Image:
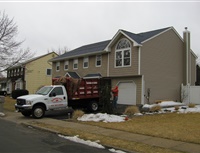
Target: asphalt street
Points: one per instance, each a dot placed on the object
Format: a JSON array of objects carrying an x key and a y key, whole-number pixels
[{"x": 16, "y": 138}]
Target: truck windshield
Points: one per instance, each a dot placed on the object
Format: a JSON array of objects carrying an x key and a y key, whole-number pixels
[{"x": 44, "y": 90}]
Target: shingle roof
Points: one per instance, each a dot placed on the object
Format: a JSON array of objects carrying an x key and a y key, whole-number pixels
[
  {"x": 140, "y": 37},
  {"x": 93, "y": 75},
  {"x": 86, "y": 49},
  {"x": 73, "y": 75},
  {"x": 100, "y": 46}
]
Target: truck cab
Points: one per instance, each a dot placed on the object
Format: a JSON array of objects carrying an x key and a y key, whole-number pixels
[{"x": 46, "y": 98}]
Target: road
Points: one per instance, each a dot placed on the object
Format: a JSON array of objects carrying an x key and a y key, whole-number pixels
[{"x": 16, "y": 138}]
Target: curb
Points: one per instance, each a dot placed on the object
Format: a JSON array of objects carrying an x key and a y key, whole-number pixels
[{"x": 57, "y": 133}]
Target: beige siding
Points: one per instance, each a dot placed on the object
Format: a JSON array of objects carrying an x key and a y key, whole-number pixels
[
  {"x": 126, "y": 71},
  {"x": 83, "y": 71},
  {"x": 162, "y": 66},
  {"x": 35, "y": 73}
]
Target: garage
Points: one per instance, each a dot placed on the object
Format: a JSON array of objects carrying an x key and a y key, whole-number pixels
[{"x": 127, "y": 93}]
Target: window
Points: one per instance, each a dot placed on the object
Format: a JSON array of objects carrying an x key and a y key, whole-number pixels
[
  {"x": 66, "y": 65},
  {"x": 123, "y": 53},
  {"x": 75, "y": 64},
  {"x": 49, "y": 72},
  {"x": 57, "y": 91},
  {"x": 85, "y": 62},
  {"x": 98, "y": 60},
  {"x": 58, "y": 66}
]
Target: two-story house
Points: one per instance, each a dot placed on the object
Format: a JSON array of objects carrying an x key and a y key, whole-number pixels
[
  {"x": 31, "y": 74},
  {"x": 146, "y": 67}
]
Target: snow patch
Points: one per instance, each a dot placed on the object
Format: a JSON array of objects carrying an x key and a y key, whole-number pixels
[
  {"x": 85, "y": 142},
  {"x": 101, "y": 117},
  {"x": 2, "y": 114},
  {"x": 116, "y": 151}
]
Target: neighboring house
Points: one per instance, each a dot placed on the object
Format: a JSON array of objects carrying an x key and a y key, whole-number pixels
[
  {"x": 147, "y": 66},
  {"x": 31, "y": 75},
  {"x": 3, "y": 84}
]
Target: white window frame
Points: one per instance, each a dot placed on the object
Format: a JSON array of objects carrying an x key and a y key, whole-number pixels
[
  {"x": 50, "y": 72},
  {"x": 75, "y": 62},
  {"x": 123, "y": 46},
  {"x": 100, "y": 57},
  {"x": 66, "y": 63},
  {"x": 85, "y": 61},
  {"x": 57, "y": 66}
]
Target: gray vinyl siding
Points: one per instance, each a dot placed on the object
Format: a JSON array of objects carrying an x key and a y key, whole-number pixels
[{"x": 162, "y": 66}]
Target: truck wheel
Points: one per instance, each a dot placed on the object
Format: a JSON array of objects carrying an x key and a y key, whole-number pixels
[
  {"x": 93, "y": 106},
  {"x": 26, "y": 113},
  {"x": 38, "y": 112}
]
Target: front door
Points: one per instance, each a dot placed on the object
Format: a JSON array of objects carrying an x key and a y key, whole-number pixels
[{"x": 57, "y": 98}]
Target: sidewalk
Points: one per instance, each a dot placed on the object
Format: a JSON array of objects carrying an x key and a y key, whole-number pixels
[{"x": 154, "y": 141}]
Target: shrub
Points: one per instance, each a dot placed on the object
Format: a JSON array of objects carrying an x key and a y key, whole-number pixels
[
  {"x": 131, "y": 110},
  {"x": 77, "y": 114},
  {"x": 17, "y": 93},
  {"x": 155, "y": 108},
  {"x": 176, "y": 108},
  {"x": 3, "y": 93},
  {"x": 191, "y": 105}
]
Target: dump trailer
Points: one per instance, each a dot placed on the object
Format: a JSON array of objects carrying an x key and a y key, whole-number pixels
[{"x": 64, "y": 92}]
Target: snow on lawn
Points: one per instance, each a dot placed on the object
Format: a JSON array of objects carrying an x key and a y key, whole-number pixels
[
  {"x": 101, "y": 117},
  {"x": 167, "y": 106}
]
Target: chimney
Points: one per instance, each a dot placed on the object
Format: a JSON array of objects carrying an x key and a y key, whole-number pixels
[{"x": 186, "y": 39}]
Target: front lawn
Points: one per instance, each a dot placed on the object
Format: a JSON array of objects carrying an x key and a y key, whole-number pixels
[
  {"x": 182, "y": 127},
  {"x": 176, "y": 126}
]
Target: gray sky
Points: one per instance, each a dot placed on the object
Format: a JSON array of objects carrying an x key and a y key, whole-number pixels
[{"x": 47, "y": 25}]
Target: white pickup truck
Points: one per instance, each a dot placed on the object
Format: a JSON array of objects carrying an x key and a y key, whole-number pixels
[
  {"x": 81, "y": 93},
  {"x": 47, "y": 98}
]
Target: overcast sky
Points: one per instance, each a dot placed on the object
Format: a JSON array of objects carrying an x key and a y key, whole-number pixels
[{"x": 47, "y": 25}]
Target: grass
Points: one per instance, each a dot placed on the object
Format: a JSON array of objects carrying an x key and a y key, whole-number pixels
[
  {"x": 9, "y": 104},
  {"x": 108, "y": 141},
  {"x": 182, "y": 127},
  {"x": 77, "y": 114}
]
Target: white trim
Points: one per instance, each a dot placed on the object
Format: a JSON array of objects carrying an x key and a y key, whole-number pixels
[
  {"x": 143, "y": 90},
  {"x": 50, "y": 71},
  {"x": 116, "y": 36},
  {"x": 122, "y": 50},
  {"x": 139, "y": 60},
  {"x": 57, "y": 65},
  {"x": 75, "y": 61},
  {"x": 85, "y": 60},
  {"x": 77, "y": 56},
  {"x": 66, "y": 63},
  {"x": 96, "y": 60},
  {"x": 108, "y": 65}
]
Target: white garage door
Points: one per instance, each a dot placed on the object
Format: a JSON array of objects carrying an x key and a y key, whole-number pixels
[{"x": 127, "y": 93}]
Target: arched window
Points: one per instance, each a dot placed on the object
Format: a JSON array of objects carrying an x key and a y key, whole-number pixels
[{"x": 123, "y": 53}]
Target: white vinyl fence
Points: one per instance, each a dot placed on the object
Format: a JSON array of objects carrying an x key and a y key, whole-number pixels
[{"x": 190, "y": 94}]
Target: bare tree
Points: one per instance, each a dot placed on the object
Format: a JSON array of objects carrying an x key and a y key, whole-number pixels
[
  {"x": 60, "y": 50},
  {"x": 10, "y": 52}
]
